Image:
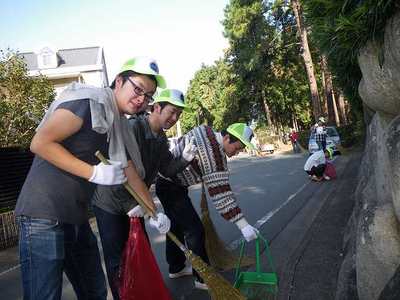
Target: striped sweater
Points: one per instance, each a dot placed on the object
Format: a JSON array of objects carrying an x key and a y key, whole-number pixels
[{"x": 210, "y": 166}]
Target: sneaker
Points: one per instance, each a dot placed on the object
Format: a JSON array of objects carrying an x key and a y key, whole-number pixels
[
  {"x": 315, "y": 178},
  {"x": 200, "y": 285},
  {"x": 327, "y": 177},
  {"x": 186, "y": 271}
]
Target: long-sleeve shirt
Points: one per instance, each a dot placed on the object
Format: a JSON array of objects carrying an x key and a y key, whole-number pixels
[
  {"x": 316, "y": 159},
  {"x": 209, "y": 166},
  {"x": 155, "y": 157}
]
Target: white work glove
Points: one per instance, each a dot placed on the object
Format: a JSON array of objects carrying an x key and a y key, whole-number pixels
[
  {"x": 108, "y": 174},
  {"x": 162, "y": 223},
  {"x": 190, "y": 149},
  {"x": 248, "y": 231},
  {"x": 137, "y": 212}
]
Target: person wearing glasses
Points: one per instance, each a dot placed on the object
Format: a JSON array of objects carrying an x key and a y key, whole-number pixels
[
  {"x": 52, "y": 208},
  {"x": 113, "y": 205}
]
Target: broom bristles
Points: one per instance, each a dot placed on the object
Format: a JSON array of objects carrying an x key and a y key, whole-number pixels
[
  {"x": 219, "y": 287},
  {"x": 220, "y": 257}
]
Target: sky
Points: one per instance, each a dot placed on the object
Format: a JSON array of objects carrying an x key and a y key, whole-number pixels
[{"x": 180, "y": 34}]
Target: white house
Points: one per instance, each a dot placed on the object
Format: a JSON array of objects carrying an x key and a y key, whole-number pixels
[{"x": 84, "y": 65}]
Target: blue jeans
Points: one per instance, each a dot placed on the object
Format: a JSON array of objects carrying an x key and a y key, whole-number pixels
[{"x": 47, "y": 248}]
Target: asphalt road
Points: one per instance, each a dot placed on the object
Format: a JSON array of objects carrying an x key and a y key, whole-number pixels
[{"x": 269, "y": 191}]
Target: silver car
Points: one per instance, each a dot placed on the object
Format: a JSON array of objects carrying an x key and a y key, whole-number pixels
[{"x": 332, "y": 140}]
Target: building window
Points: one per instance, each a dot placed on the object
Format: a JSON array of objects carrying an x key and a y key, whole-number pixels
[{"x": 47, "y": 59}]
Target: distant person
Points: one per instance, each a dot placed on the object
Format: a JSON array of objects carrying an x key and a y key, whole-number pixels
[
  {"x": 320, "y": 133},
  {"x": 316, "y": 164},
  {"x": 208, "y": 166},
  {"x": 254, "y": 141},
  {"x": 294, "y": 136}
]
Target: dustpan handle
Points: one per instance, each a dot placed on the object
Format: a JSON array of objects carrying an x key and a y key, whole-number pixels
[
  {"x": 267, "y": 252},
  {"x": 242, "y": 244},
  {"x": 258, "y": 268}
]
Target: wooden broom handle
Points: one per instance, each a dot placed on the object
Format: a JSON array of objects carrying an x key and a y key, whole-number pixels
[{"x": 143, "y": 204}]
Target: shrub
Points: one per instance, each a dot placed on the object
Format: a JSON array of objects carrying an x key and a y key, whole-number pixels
[{"x": 23, "y": 100}]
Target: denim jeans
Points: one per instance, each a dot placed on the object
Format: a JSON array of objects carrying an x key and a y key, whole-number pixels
[{"x": 47, "y": 248}]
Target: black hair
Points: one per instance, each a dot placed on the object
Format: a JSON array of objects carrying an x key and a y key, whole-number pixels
[
  {"x": 126, "y": 74},
  {"x": 232, "y": 138},
  {"x": 162, "y": 105}
]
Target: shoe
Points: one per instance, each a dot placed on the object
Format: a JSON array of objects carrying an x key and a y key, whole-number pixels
[
  {"x": 200, "y": 285},
  {"x": 315, "y": 178},
  {"x": 327, "y": 177},
  {"x": 186, "y": 271}
]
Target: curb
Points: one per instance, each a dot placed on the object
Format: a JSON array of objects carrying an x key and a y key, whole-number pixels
[{"x": 317, "y": 207}]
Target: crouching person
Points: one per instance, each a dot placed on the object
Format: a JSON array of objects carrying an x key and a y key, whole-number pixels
[{"x": 316, "y": 164}]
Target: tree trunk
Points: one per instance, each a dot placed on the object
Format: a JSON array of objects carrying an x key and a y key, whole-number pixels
[
  {"x": 328, "y": 92},
  {"x": 266, "y": 109},
  {"x": 341, "y": 107},
  {"x": 306, "y": 54},
  {"x": 324, "y": 104}
]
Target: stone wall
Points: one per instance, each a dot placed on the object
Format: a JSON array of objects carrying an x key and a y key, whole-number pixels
[{"x": 371, "y": 266}]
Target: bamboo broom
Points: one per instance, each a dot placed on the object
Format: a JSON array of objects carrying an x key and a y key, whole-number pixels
[
  {"x": 220, "y": 257},
  {"x": 219, "y": 287}
]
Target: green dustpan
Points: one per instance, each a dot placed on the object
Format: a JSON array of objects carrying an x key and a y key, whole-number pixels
[{"x": 257, "y": 285}]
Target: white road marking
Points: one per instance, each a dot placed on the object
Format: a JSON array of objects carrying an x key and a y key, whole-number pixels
[
  {"x": 234, "y": 244},
  {"x": 9, "y": 270}
]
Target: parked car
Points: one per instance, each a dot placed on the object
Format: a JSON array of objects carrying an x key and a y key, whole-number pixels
[
  {"x": 267, "y": 148},
  {"x": 332, "y": 140}
]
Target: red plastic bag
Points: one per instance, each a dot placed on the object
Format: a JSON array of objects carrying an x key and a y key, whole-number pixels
[
  {"x": 140, "y": 277},
  {"x": 330, "y": 170}
]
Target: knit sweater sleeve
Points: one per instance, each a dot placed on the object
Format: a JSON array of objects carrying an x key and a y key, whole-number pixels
[{"x": 216, "y": 176}]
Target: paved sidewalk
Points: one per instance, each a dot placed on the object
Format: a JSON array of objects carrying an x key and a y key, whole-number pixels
[{"x": 311, "y": 270}]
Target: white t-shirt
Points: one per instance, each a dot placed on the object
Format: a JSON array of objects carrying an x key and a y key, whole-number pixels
[
  {"x": 319, "y": 130},
  {"x": 318, "y": 158}
]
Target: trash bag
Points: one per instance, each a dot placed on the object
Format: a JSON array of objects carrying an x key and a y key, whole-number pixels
[
  {"x": 330, "y": 170},
  {"x": 140, "y": 277}
]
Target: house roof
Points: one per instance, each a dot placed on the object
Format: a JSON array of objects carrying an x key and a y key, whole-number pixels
[{"x": 68, "y": 57}]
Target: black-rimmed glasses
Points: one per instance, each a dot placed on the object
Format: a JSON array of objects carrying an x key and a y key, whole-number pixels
[{"x": 140, "y": 92}]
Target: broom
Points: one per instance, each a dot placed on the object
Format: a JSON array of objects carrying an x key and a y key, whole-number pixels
[
  {"x": 219, "y": 287},
  {"x": 220, "y": 257}
]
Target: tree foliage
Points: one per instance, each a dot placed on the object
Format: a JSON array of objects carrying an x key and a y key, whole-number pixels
[
  {"x": 210, "y": 98},
  {"x": 341, "y": 28},
  {"x": 23, "y": 100}
]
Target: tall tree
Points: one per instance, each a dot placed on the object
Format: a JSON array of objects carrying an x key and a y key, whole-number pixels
[
  {"x": 211, "y": 98},
  {"x": 306, "y": 54},
  {"x": 250, "y": 37},
  {"x": 333, "y": 118}
]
